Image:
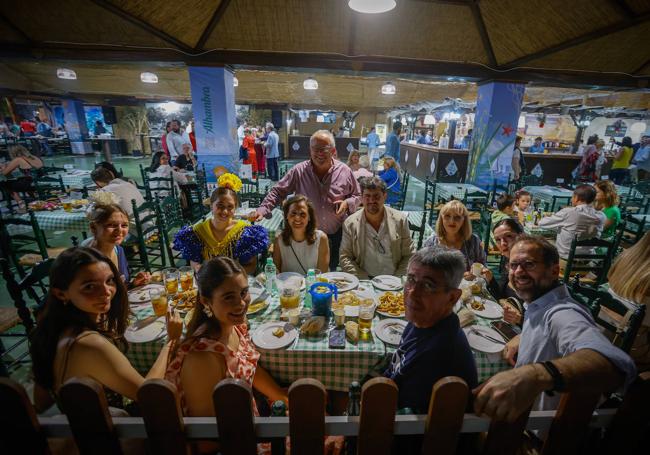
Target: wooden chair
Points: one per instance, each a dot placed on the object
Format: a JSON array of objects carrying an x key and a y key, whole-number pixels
[
  {"x": 558, "y": 202},
  {"x": 401, "y": 194},
  {"x": 171, "y": 220},
  {"x": 23, "y": 242},
  {"x": 307, "y": 399},
  {"x": 430, "y": 200},
  {"x": 163, "y": 418},
  {"x": 150, "y": 237},
  {"x": 475, "y": 201},
  {"x": 419, "y": 231},
  {"x": 445, "y": 417},
  {"x": 595, "y": 257},
  {"x": 48, "y": 187},
  {"x": 632, "y": 231},
  {"x": 530, "y": 180},
  {"x": 20, "y": 430},
  {"x": 606, "y": 309},
  {"x": 233, "y": 406},
  {"x": 160, "y": 187},
  {"x": 377, "y": 417}
]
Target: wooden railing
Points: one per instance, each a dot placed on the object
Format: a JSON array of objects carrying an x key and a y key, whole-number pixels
[{"x": 237, "y": 431}]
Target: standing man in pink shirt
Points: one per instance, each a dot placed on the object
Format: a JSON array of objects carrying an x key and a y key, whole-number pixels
[{"x": 328, "y": 183}]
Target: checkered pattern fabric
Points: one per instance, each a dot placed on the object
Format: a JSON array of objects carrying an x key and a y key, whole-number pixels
[
  {"x": 445, "y": 191},
  {"x": 546, "y": 193},
  {"x": 312, "y": 357},
  {"x": 627, "y": 191},
  {"x": 76, "y": 179},
  {"x": 56, "y": 220}
]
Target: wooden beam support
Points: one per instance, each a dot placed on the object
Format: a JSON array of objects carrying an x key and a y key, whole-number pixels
[
  {"x": 143, "y": 25},
  {"x": 620, "y": 26},
  {"x": 214, "y": 21},
  {"x": 15, "y": 28},
  {"x": 482, "y": 30}
]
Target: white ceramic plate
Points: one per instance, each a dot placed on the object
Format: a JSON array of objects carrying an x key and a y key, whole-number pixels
[
  {"x": 256, "y": 307},
  {"x": 263, "y": 336},
  {"x": 390, "y": 330},
  {"x": 386, "y": 314},
  {"x": 346, "y": 281},
  {"x": 491, "y": 310},
  {"x": 149, "y": 332},
  {"x": 387, "y": 283},
  {"x": 141, "y": 294},
  {"x": 479, "y": 343}
]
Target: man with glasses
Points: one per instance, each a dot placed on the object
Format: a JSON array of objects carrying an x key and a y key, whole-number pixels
[
  {"x": 328, "y": 183},
  {"x": 560, "y": 348},
  {"x": 376, "y": 240},
  {"x": 433, "y": 345}
]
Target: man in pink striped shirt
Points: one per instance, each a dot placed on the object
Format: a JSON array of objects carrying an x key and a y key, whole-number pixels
[{"x": 328, "y": 183}]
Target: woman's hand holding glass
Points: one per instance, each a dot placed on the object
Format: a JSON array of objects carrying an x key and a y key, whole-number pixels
[{"x": 174, "y": 325}]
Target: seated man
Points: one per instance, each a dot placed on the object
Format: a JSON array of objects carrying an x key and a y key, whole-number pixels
[
  {"x": 433, "y": 345},
  {"x": 560, "y": 348},
  {"x": 376, "y": 240},
  {"x": 582, "y": 219},
  {"x": 124, "y": 191}
]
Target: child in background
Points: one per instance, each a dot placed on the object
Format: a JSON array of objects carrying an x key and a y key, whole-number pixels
[
  {"x": 523, "y": 205},
  {"x": 505, "y": 209}
]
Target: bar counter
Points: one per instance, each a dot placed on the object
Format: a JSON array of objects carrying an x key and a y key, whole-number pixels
[
  {"x": 299, "y": 146},
  {"x": 417, "y": 160}
]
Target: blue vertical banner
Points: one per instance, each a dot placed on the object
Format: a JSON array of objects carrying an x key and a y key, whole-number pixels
[
  {"x": 75, "y": 125},
  {"x": 498, "y": 106},
  {"x": 213, "y": 106}
]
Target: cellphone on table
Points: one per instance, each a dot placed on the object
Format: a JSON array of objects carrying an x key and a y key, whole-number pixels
[
  {"x": 505, "y": 330},
  {"x": 337, "y": 339}
]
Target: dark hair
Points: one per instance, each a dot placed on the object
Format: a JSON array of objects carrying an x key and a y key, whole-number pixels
[
  {"x": 504, "y": 201},
  {"x": 609, "y": 190},
  {"x": 175, "y": 120},
  {"x": 550, "y": 255},
  {"x": 101, "y": 175},
  {"x": 168, "y": 124},
  {"x": 520, "y": 193},
  {"x": 585, "y": 193},
  {"x": 58, "y": 316},
  {"x": 155, "y": 161},
  {"x": 397, "y": 126},
  {"x": 210, "y": 276},
  {"x": 627, "y": 141},
  {"x": 518, "y": 139},
  {"x": 222, "y": 191},
  {"x": 98, "y": 122},
  {"x": 109, "y": 167},
  {"x": 372, "y": 183},
  {"x": 449, "y": 261},
  {"x": 101, "y": 213},
  {"x": 310, "y": 230},
  {"x": 538, "y": 138},
  {"x": 592, "y": 139},
  {"x": 470, "y": 131},
  {"x": 512, "y": 224}
]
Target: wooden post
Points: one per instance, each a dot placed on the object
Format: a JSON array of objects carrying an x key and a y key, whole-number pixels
[
  {"x": 445, "y": 417},
  {"x": 505, "y": 438},
  {"x": 307, "y": 417},
  {"x": 377, "y": 418},
  {"x": 233, "y": 407},
  {"x": 20, "y": 431}
]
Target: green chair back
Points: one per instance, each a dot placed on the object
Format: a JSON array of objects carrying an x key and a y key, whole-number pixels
[
  {"x": 22, "y": 235},
  {"x": 151, "y": 250},
  {"x": 171, "y": 220},
  {"x": 632, "y": 231},
  {"x": 559, "y": 202},
  {"x": 418, "y": 232},
  {"x": 48, "y": 186},
  {"x": 430, "y": 200},
  {"x": 595, "y": 256}
]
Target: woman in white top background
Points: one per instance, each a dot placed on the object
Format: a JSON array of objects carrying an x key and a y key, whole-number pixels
[
  {"x": 301, "y": 246},
  {"x": 160, "y": 168}
]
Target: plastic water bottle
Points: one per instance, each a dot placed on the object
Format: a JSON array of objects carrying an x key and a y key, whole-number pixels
[
  {"x": 270, "y": 271},
  {"x": 311, "y": 279}
]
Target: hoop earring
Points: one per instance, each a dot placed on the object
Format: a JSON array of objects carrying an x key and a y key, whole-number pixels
[{"x": 208, "y": 312}]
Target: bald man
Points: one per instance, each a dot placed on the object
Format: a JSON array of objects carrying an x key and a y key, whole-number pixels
[{"x": 328, "y": 183}]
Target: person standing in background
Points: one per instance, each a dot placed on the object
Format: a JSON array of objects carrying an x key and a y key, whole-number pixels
[
  {"x": 642, "y": 157},
  {"x": 272, "y": 152},
  {"x": 27, "y": 128},
  {"x": 45, "y": 130},
  {"x": 192, "y": 136},
  {"x": 537, "y": 147},
  {"x": 163, "y": 139},
  {"x": 373, "y": 146},
  {"x": 518, "y": 161},
  {"x": 467, "y": 140},
  {"x": 249, "y": 144},
  {"x": 621, "y": 162},
  {"x": 175, "y": 140},
  {"x": 392, "y": 142}
]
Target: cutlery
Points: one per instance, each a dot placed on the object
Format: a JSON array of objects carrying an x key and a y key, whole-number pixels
[
  {"x": 487, "y": 337},
  {"x": 142, "y": 323}
]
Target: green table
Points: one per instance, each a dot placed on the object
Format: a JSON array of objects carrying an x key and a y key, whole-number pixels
[
  {"x": 55, "y": 220},
  {"x": 312, "y": 358}
]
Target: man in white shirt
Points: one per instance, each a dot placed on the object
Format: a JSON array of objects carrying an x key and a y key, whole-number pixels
[
  {"x": 124, "y": 191},
  {"x": 175, "y": 141},
  {"x": 582, "y": 219},
  {"x": 376, "y": 240}
]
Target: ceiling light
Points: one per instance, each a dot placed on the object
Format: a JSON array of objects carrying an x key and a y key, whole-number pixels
[
  {"x": 388, "y": 89},
  {"x": 235, "y": 81},
  {"x": 371, "y": 6},
  {"x": 310, "y": 84},
  {"x": 65, "y": 73},
  {"x": 149, "y": 78},
  {"x": 429, "y": 119}
]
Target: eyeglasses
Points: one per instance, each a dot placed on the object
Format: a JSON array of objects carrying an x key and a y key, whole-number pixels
[
  {"x": 429, "y": 287},
  {"x": 382, "y": 250},
  {"x": 526, "y": 265},
  {"x": 324, "y": 149}
]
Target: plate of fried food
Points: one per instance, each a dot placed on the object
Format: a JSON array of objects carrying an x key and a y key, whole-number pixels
[
  {"x": 391, "y": 305},
  {"x": 352, "y": 299},
  {"x": 184, "y": 300},
  {"x": 274, "y": 335},
  {"x": 485, "y": 308}
]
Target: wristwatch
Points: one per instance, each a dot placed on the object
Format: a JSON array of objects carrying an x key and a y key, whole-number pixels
[{"x": 559, "y": 384}]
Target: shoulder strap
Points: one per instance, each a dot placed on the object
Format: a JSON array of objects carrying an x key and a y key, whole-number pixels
[
  {"x": 69, "y": 343},
  {"x": 296, "y": 256}
]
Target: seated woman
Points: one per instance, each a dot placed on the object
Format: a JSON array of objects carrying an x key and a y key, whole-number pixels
[
  {"x": 607, "y": 202},
  {"x": 454, "y": 230},
  {"x": 217, "y": 344},
  {"x": 186, "y": 161},
  {"x": 391, "y": 176},
  {"x": 505, "y": 233},
  {"x": 301, "y": 246},
  {"x": 505, "y": 209},
  {"x": 20, "y": 168},
  {"x": 221, "y": 234},
  {"x": 80, "y": 332},
  {"x": 364, "y": 164},
  {"x": 109, "y": 225},
  {"x": 353, "y": 160},
  {"x": 160, "y": 168}
]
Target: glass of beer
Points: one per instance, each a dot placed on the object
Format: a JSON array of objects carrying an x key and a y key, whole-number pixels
[
  {"x": 171, "y": 280},
  {"x": 366, "y": 313},
  {"x": 158, "y": 301},
  {"x": 187, "y": 278},
  {"x": 67, "y": 205}
]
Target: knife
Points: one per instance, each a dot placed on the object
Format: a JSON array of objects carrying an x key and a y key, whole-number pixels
[{"x": 487, "y": 337}]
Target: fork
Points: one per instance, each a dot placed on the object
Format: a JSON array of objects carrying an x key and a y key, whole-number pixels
[{"x": 487, "y": 337}]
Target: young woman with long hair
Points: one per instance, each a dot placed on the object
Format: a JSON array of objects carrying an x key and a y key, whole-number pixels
[{"x": 607, "y": 202}]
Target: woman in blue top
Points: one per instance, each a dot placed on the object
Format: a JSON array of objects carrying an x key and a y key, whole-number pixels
[
  {"x": 391, "y": 176},
  {"x": 110, "y": 226}
]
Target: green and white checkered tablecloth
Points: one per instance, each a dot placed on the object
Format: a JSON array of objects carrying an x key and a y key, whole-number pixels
[
  {"x": 445, "y": 191},
  {"x": 546, "y": 193},
  {"x": 76, "y": 179},
  {"x": 531, "y": 229},
  {"x": 56, "y": 220},
  {"x": 312, "y": 357}
]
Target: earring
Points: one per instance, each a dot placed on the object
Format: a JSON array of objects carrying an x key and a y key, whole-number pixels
[{"x": 208, "y": 312}]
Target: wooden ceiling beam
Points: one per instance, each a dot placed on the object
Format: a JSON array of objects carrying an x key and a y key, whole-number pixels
[
  {"x": 595, "y": 34},
  {"x": 482, "y": 30},
  {"x": 314, "y": 63},
  {"x": 214, "y": 21},
  {"x": 15, "y": 28},
  {"x": 143, "y": 25}
]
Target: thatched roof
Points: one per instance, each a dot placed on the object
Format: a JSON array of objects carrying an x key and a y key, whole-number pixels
[{"x": 579, "y": 43}]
